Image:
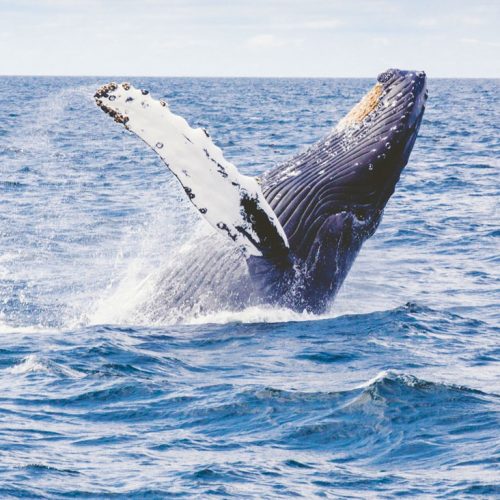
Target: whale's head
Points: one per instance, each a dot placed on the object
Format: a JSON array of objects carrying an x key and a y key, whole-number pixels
[
  {"x": 355, "y": 168},
  {"x": 379, "y": 134},
  {"x": 330, "y": 198},
  {"x": 398, "y": 113},
  {"x": 397, "y": 94}
]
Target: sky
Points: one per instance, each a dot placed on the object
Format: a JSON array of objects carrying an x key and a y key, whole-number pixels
[{"x": 287, "y": 38}]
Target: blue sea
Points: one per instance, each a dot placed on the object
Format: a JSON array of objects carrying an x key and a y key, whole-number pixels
[{"x": 395, "y": 392}]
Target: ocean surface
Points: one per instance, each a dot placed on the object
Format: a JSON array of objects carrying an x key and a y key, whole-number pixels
[{"x": 395, "y": 392}]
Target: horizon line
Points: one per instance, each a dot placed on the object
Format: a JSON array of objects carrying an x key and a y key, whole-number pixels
[{"x": 19, "y": 75}]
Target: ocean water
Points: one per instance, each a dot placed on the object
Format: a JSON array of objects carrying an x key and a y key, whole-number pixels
[{"x": 394, "y": 392}]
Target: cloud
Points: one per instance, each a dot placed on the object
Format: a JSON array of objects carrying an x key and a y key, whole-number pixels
[
  {"x": 473, "y": 20},
  {"x": 381, "y": 40},
  {"x": 265, "y": 41},
  {"x": 323, "y": 24},
  {"x": 427, "y": 22},
  {"x": 475, "y": 41}
]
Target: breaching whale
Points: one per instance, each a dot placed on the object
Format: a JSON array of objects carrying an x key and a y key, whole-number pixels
[{"x": 291, "y": 235}]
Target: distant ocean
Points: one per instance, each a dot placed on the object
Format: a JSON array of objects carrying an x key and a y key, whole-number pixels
[{"x": 395, "y": 392}]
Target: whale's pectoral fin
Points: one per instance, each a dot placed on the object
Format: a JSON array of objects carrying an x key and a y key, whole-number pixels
[{"x": 231, "y": 202}]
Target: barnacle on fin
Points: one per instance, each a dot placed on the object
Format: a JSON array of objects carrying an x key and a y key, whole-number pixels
[
  {"x": 104, "y": 93},
  {"x": 105, "y": 89}
]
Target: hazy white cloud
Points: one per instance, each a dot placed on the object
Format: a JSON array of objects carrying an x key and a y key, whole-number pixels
[
  {"x": 265, "y": 41},
  {"x": 323, "y": 24},
  {"x": 474, "y": 20},
  {"x": 381, "y": 40},
  {"x": 427, "y": 22},
  {"x": 470, "y": 41},
  {"x": 475, "y": 41}
]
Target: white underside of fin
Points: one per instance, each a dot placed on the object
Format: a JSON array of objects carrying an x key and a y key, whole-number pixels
[{"x": 213, "y": 184}]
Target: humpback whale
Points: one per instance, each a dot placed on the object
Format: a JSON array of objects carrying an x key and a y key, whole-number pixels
[{"x": 289, "y": 237}]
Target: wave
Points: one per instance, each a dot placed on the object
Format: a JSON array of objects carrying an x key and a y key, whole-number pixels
[
  {"x": 270, "y": 314},
  {"x": 29, "y": 364},
  {"x": 255, "y": 314},
  {"x": 35, "y": 364},
  {"x": 392, "y": 418}
]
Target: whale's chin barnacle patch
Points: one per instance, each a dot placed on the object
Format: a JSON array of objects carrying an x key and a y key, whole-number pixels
[{"x": 367, "y": 105}]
